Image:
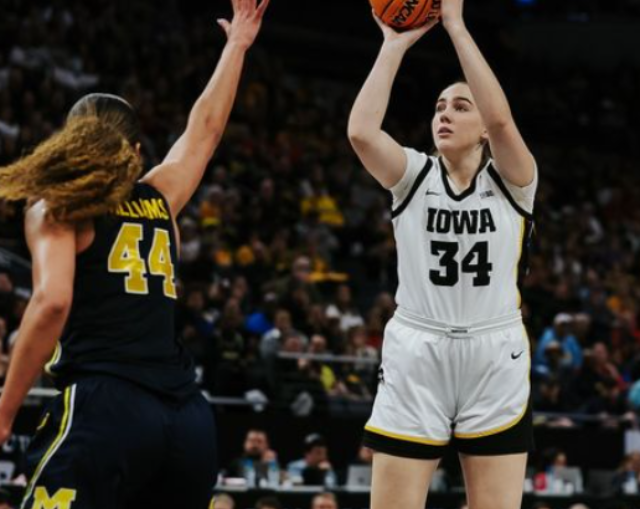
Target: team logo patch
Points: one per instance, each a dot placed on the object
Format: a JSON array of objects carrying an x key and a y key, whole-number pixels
[
  {"x": 62, "y": 499},
  {"x": 487, "y": 194}
]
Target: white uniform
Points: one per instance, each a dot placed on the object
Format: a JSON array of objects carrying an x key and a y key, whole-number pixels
[{"x": 456, "y": 356}]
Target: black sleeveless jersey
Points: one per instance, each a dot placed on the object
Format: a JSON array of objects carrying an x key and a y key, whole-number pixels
[{"x": 122, "y": 317}]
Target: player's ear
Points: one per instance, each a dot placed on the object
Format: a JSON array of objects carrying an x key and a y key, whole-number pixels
[
  {"x": 484, "y": 137},
  {"x": 138, "y": 147}
]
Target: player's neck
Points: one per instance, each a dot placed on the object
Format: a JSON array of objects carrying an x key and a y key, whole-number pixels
[{"x": 462, "y": 168}]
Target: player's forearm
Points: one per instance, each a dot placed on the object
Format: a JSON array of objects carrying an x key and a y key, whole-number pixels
[
  {"x": 371, "y": 104},
  {"x": 41, "y": 326},
  {"x": 485, "y": 87},
  {"x": 211, "y": 111}
]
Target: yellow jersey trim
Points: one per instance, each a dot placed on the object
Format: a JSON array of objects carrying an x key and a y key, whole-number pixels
[
  {"x": 55, "y": 358},
  {"x": 520, "y": 251}
]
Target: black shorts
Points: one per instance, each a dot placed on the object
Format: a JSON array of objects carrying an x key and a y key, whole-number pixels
[
  {"x": 514, "y": 440},
  {"x": 106, "y": 443}
]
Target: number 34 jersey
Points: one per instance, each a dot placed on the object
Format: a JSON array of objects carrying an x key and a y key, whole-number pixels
[
  {"x": 122, "y": 316},
  {"x": 461, "y": 256}
]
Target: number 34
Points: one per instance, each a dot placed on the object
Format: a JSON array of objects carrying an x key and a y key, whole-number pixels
[
  {"x": 447, "y": 252},
  {"x": 125, "y": 258}
]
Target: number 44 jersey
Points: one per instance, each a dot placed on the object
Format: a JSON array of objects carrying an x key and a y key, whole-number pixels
[
  {"x": 122, "y": 317},
  {"x": 461, "y": 255}
]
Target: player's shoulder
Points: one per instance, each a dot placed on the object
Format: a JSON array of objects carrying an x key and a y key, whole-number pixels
[
  {"x": 38, "y": 219},
  {"x": 521, "y": 199}
]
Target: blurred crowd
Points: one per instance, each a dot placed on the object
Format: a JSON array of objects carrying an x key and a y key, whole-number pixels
[{"x": 288, "y": 256}]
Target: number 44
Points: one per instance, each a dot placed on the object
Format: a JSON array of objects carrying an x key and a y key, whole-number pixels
[{"x": 125, "y": 258}]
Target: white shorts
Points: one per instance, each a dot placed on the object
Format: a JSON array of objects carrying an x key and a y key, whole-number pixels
[{"x": 438, "y": 386}]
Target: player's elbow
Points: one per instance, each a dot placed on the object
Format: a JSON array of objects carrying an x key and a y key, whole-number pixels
[
  {"x": 52, "y": 305},
  {"x": 359, "y": 135},
  {"x": 205, "y": 126},
  {"x": 499, "y": 124}
]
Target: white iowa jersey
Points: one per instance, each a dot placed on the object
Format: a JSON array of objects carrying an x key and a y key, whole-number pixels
[{"x": 461, "y": 256}]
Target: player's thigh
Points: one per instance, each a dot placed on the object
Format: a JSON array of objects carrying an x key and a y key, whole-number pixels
[
  {"x": 400, "y": 482},
  {"x": 97, "y": 433},
  {"x": 191, "y": 466},
  {"x": 494, "y": 482}
]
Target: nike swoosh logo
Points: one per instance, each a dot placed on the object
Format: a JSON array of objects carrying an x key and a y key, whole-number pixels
[
  {"x": 432, "y": 193},
  {"x": 516, "y": 356}
]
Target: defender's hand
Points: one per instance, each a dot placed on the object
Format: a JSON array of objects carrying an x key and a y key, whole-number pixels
[{"x": 246, "y": 22}]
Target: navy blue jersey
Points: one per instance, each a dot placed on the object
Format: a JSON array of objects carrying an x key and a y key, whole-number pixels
[{"x": 122, "y": 317}]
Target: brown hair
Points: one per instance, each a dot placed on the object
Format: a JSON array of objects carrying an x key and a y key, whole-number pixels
[{"x": 86, "y": 169}]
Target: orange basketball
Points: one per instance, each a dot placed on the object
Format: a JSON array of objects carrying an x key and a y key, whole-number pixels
[{"x": 406, "y": 14}]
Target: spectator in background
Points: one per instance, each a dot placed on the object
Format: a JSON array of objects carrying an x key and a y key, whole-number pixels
[
  {"x": 230, "y": 346},
  {"x": 300, "y": 277},
  {"x": 271, "y": 341},
  {"x": 627, "y": 476},
  {"x": 365, "y": 456},
  {"x": 222, "y": 501},
  {"x": 300, "y": 379},
  {"x": 314, "y": 469},
  {"x": 324, "y": 501},
  {"x": 357, "y": 347},
  {"x": 344, "y": 310},
  {"x": 318, "y": 346},
  {"x": 261, "y": 321},
  {"x": 582, "y": 329},
  {"x": 598, "y": 385},
  {"x": 268, "y": 503},
  {"x": 560, "y": 332},
  {"x": 256, "y": 460}
]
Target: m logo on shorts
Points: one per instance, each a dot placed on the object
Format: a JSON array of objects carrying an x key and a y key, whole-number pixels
[{"x": 61, "y": 500}]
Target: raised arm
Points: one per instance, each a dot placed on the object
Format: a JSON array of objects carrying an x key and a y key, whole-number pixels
[
  {"x": 380, "y": 154},
  {"x": 510, "y": 153},
  {"x": 179, "y": 175},
  {"x": 53, "y": 251}
]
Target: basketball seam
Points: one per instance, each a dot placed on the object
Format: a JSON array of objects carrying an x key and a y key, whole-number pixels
[
  {"x": 384, "y": 11},
  {"x": 424, "y": 8}
]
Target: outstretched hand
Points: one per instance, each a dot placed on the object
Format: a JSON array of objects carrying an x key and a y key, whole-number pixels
[
  {"x": 406, "y": 39},
  {"x": 246, "y": 22}
]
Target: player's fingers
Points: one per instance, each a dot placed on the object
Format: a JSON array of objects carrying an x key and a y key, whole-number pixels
[
  {"x": 378, "y": 21},
  {"x": 226, "y": 26},
  {"x": 427, "y": 26},
  {"x": 262, "y": 8}
]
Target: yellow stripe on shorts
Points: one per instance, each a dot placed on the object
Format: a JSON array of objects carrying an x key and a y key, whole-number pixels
[
  {"x": 405, "y": 438},
  {"x": 65, "y": 426},
  {"x": 494, "y": 431}
]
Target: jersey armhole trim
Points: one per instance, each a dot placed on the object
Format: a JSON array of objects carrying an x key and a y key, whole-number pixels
[
  {"x": 414, "y": 189},
  {"x": 498, "y": 180},
  {"x": 172, "y": 220}
]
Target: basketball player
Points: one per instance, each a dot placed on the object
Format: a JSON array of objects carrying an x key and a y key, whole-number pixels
[
  {"x": 130, "y": 429},
  {"x": 455, "y": 363}
]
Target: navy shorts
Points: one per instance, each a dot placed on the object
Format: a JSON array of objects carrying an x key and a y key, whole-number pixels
[{"x": 106, "y": 443}]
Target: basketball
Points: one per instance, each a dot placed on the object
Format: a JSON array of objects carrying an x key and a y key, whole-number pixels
[{"x": 406, "y": 14}]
